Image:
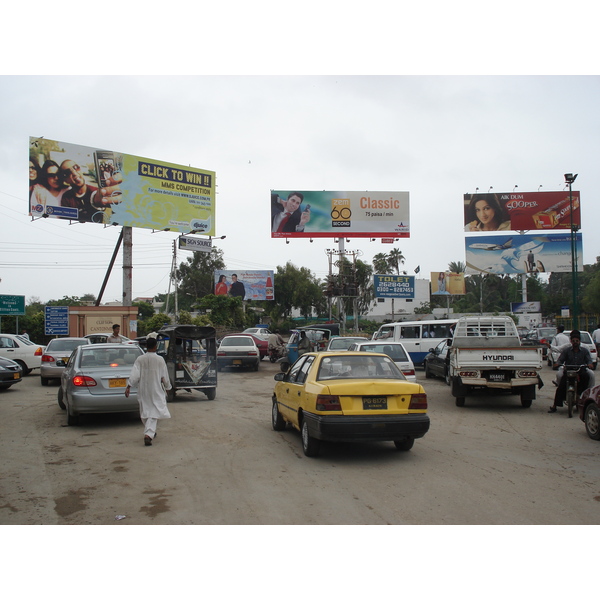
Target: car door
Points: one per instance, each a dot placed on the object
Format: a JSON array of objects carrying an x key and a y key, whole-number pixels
[
  {"x": 9, "y": 348},
  {"x": 293, "y": 388},
  {"x": 438, "y": 363}
]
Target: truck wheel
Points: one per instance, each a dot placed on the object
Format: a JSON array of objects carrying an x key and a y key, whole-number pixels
[
  {"x": 460, "y": 401},
  {"x": 211, "y": 393},
  {"x": 527, "y": 396}
]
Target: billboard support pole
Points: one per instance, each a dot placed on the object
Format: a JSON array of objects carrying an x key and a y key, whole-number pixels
[
  {"x": 110, "y": 266},
  {"x": 127, "y": 265},
  {"x": 570, "y": 178}
]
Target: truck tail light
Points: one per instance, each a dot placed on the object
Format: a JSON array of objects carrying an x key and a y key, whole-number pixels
[
  {"x": 418, "y": 402},
  {"x": 527, "y": 374},
  {"x": 84, "y": 381},
  {"x": 47, "y": 358},
  {"x": 468, "y": 374},
  {"x": 325, "y": 402}
]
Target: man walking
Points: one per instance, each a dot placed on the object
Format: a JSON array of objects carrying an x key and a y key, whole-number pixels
[{"x": 149, "y": 374}]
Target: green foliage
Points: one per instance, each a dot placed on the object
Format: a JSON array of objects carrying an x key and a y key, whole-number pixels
[
  {"x": 185, "y": 318},
  {"x": 225, "y": 311},
  {"x": 155, "y": 322},
  {"x": 145, "y": 309},
  {"x": 195, "y": 277}
]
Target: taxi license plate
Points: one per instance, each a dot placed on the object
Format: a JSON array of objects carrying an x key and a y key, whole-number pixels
[
  {"x": 374, "y": 402},
  {"x": 237, "y": 362},
  {"x": 117, "y": 383}
]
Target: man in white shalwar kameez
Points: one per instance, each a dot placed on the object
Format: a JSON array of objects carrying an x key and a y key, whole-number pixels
[{"x": 149, "y": 374}]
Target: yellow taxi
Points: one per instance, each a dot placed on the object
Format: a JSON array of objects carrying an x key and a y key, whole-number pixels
[{"x": 349, "y": 396}]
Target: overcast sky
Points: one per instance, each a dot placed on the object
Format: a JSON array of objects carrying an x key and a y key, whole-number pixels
[{"x": 436, "y": 137}]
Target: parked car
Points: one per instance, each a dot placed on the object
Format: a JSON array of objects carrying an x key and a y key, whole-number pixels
[
  {"x": 337, "y": 344},
  {"x": 100, "y": 338},
  {"x": 238, "y": 351},
  {"x": 10, "y": 373},
  {"x": 261, "y": 344},
  {"x": 349, "y": 396},
  {"x": 395, "y": 350},
  {"x": 586, "y": 340},
  {"x": 261, "y": 332},
  {"x": 436, "y": 362},
  {"x": 55, "y": 357},
  {"x": 589, "y": 411},
  {"x": 540, "y": 336},
  {"x": 22, "y": 351},
  {"x": 95, "y": 378}
]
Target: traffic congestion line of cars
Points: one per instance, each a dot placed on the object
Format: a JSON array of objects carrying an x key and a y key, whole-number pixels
[{"x": 23, "y": 351}]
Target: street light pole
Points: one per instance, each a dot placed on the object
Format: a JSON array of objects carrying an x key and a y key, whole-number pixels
[{"x": 570, "y": 178}]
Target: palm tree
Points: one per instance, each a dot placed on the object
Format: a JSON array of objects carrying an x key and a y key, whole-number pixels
[
  {"x": 395, "y": 259},
  {"x": 381, "y": 263},
  {"x": 456, "y": 267}
]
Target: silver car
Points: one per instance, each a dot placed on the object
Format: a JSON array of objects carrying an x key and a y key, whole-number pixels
[
  {"x": 56, "y": 355},
  {"x": 395, "y": 350},
  {"x": 95, "y": 379}
]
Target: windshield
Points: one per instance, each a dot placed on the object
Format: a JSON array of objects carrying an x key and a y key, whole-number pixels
[
  {"x": 358, "y": 367},
  {"x": 65, "y": 345},
  {"x": 109, "y": 357},
  {"x": 237, "y": 341}
]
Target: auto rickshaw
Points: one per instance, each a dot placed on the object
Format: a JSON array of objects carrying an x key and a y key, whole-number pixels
[
  {"x": 318, "y": 336},
  {"x": 191, "y": 356}
]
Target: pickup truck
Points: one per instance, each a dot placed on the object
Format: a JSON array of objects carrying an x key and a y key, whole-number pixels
[{"x": 486, "y": 356}]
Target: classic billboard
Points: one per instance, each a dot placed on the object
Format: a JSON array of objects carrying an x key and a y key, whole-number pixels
[
  {"x": 533, "y": 253},
  {"x": 521, "y": 211},
  {"x": 315, "y": 214},
  {"x": 247, "y": 285},
  {"x": 68, "y": 181},
  {"x": 394, "y": 286},
  {"x": 444, "y": 283}
]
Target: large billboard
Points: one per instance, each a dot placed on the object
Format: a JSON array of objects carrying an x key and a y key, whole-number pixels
[
  {"x": 528, "y": 253},
  {"x": 394, "y": 286},
  {"x": 68, "y": 181},
  {"x": 521, "y": 211},
  {"x": 247, "y": 285},
  {"x": 329, "y": 214},
  {"x": 444, "y": 283}
]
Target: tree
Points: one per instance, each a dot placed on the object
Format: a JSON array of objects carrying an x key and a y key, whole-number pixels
[
  {"x": 225, "y": 311},
  {"x": 395, "y": 259},
  {"x": 295, "y": 288},
  {"x": 457, "y": 267}
]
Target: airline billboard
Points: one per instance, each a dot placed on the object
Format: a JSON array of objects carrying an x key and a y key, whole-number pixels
[
  {"x": 528, "y": 253},
  {"x": 313, "y": 214},
  {"x": 86, "y": 184}
]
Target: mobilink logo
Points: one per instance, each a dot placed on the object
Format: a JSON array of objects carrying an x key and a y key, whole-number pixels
[{"x": 498, "y": 357}]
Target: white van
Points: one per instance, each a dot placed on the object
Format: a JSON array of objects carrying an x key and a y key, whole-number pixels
[{"x": 418, "y": 337}]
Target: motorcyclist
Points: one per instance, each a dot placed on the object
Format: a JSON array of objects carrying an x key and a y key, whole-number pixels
[
  {"x": 574, "y": 354},
  {"x": 276, "y": 343}
]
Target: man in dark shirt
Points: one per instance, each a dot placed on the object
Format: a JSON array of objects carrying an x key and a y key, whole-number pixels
[
  {"x": 575, "y": 354},
  {"x": 237, "y": 288}
]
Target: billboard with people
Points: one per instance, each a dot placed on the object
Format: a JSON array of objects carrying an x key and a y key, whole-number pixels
[
  {"x": 313, "y": 214},
  {"x": 86, "y": 184},
  {"x": 521, "y": 211},
  {"x": 247, "y": 285},
  {"x": 527, "y": 253},
  {"x": 445, "y": 283}
]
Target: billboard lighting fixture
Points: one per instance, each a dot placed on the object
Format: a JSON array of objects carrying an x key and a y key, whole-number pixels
[
  {"x": 311, "y": 240},
  {"x": 476, "y": 190},
  {"x": 287, "y": 241},
  {"x": 491, "y": 188},
  {"x": 516, "y": 186},
  {"x": 539, "y": 188},
  {"x": 570, "y": 178}
]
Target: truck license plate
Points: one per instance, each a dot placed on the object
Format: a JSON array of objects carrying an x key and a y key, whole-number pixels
[
  {"x": 501, "y": 376},
  {"x": 374, "y": 402}
]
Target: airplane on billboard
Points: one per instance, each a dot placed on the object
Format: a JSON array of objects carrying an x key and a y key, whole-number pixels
[{"x": 507, "y": 244}]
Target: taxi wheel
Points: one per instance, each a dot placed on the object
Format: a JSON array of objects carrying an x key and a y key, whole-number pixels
[
  {"x": 404, "y": 445},
  {"x": 310, "y": 445},
  {"x": 276, "y": 419}
]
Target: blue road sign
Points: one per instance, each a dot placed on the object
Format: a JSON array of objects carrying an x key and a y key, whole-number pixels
[{"x": 56, "y": 320}]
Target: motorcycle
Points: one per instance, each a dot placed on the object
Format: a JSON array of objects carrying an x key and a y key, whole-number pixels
[
  {"x": 572, "y": 375},
  {"x": 276, "y": 354}
]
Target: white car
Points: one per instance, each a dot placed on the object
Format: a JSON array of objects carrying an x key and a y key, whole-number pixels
[
  {"x": 261, "y": 332},
  {"x": 100, "y": 338},
  {"x": 586, "y": 341},
  {"x": 238, "y": 351},
  {"x": 341, "y": 343},
  {"x": 22, "y": 351},
  {"x": 395, "y": 350}
]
